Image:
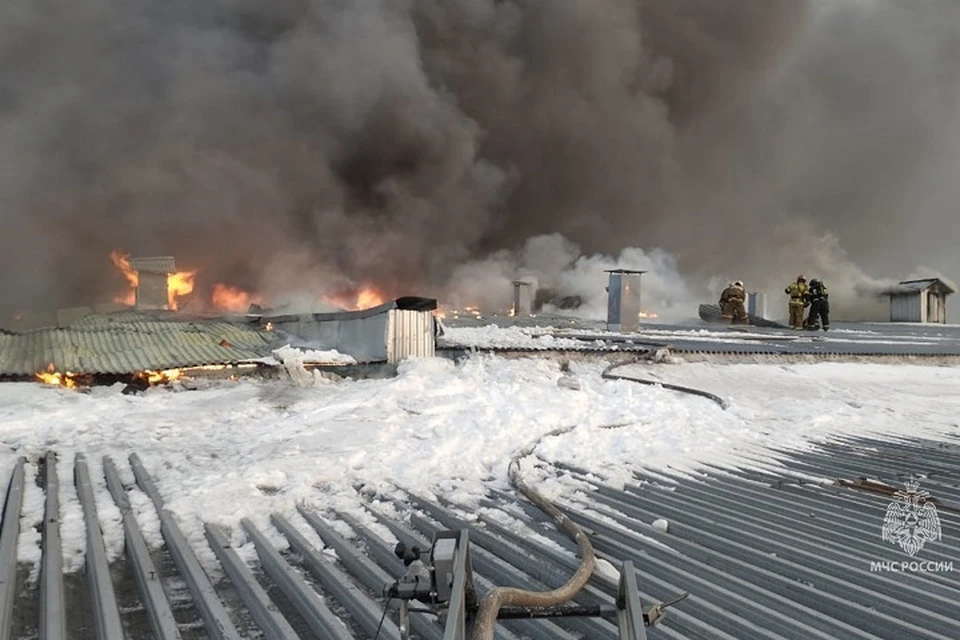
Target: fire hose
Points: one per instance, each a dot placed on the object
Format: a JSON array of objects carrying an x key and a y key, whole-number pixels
[
  {"x": 607, "y": 375},
  {"x": 499, "y": 597}
]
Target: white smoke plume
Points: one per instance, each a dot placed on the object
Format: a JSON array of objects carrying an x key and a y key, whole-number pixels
[{"x": 554, "y": 265}]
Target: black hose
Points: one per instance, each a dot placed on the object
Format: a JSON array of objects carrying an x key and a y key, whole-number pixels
[{"x": 606, "y": 375}]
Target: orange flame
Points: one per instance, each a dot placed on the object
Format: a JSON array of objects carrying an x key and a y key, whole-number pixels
[
  {"x": 122, "y": 262},
  {"x": 230, "y": 298},
  {"x": 179, "y": 284},
  {"x": 644, "y": 314},
  {"x": 53, "y": 377},
  {"x": 367, "y": 297},
  {"x": 363, "y": 298},
  {"x": 162, "y": 377}
]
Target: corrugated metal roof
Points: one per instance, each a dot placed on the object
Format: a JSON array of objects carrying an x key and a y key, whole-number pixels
[
  {"x": 844, "y": 339},
  {"x": 791, "y": 554},
  {"x": 129, "y": 342},
  {"x": 784, "y": 553}
]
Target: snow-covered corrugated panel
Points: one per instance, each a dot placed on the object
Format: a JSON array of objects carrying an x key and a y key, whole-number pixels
[
  {"x": 130, "y": 343},
  {"x": 410, "y": 334},
  {"x": 906, "y": 308}
]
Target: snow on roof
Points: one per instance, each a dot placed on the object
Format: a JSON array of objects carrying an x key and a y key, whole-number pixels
[{"x": 249, "y": 449}]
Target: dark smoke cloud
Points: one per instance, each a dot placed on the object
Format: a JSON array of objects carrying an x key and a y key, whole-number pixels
[{"x": 305, "y": 143}]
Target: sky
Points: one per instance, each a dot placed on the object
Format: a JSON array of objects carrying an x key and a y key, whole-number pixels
[{"x": 317, "y": 145}]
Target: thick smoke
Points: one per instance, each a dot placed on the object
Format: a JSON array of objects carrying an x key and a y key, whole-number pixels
[
  {"x": 553, "y": 266},
  {"x": 320, "y": 144}
]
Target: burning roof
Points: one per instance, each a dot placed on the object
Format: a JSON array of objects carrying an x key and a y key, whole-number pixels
[
  {"x": 155, "y": 283},
  {"x": 138, "y": 342}
]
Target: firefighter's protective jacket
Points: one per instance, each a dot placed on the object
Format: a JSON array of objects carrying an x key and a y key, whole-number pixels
[
  {"x": 817, "y": 293},
  {"x": 797, "y": 291},
  {"x": 732, "y": 294}
]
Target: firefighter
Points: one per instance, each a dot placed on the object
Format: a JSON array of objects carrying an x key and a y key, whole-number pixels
[
  {"x": 725, "y": 312},
  {"x": 796, "y": 291},
  {"x": 731, "y": 304},
  {"x": 819, "y": 300}
]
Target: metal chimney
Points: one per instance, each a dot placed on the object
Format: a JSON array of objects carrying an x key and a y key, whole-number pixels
[
  {"x": 152, "y": 281},
  {"x": 520, "y": 306},
  {"x": 757, "y": 304},
  {"x": 623, "y": 300}
]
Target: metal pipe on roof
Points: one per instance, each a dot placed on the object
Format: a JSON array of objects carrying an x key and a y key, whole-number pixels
[
  {"x": 9, "y": 536},
  {"x": 106, "y": 611},
  {"x": 155, "y": 601},
  {"x": 53, "y": 615}
]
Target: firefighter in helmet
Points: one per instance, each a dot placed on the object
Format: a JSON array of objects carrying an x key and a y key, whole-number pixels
[
  {"x": 731, "y": 304},
  {"x": 819, "y": 301},
  {"x": 796, "y": 290}
]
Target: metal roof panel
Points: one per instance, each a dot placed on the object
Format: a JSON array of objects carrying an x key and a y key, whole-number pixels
[
  {"x": 786, "y": 549},
  {"x": 129, "y": 342}
]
